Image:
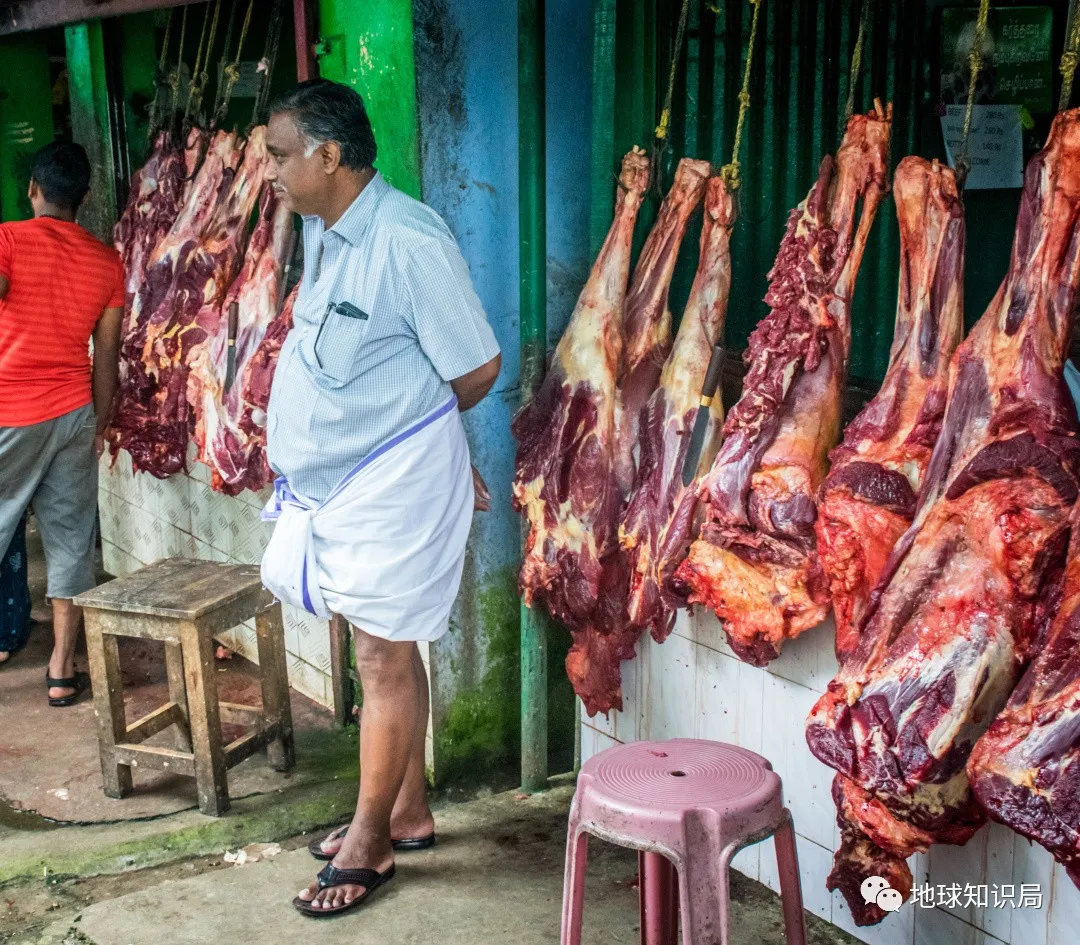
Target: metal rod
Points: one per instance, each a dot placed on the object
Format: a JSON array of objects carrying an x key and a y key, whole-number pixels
[
  {"x": 307, "y": 66},
  {"x": 533, "y": 259}
]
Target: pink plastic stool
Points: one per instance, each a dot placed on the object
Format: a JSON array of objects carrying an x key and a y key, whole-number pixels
[{"x": 687, "y": 806}]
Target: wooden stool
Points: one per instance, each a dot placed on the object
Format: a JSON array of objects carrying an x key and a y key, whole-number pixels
[{"x": 184, "y": 603}]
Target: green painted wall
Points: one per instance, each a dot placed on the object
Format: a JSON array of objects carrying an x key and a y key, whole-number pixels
[
  {"x": 90, "y": 123},
  {"x": 26, "y": 122},
  {"x": 369, "y": 44},
  {"x": 138, "y": 65}
]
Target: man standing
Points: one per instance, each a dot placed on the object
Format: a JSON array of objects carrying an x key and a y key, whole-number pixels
[
  {"x": 389, "y": 344},
  {"x": 60, "y": 287}
]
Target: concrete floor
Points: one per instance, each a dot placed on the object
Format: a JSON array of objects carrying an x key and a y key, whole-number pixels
[
  {"x": 495, "y": 877},
  {"x": 49, "y": 761},
  {"x": 149, "y": 870}
]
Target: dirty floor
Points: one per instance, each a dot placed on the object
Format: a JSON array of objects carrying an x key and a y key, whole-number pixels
[
  {"x": 49, "y": 762},
  {"x": 495, "y": 877}
]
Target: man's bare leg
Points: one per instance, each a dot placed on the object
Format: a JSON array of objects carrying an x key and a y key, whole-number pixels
[
  {"x": 412, "y": 817},
  {"x": 393, "y": 703},
  {"x": 67, "y": 622}
]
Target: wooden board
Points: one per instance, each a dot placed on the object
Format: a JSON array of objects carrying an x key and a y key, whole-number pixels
[{"x": 178, "y": 588}]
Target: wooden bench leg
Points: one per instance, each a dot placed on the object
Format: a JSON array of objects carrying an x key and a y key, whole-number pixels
[
  {"x": 205, "y": 719},
  {"x": 343, "y": 692},
  {"x": 174, "y": 661},
  {"x": 274, "y": 673},
  {"x": 108, "y": 704}
]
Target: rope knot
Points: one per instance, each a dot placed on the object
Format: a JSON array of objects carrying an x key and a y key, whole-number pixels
[
  {"x": 730, "y": 173},
  {"x": 662, "y": 128},
  {"x": 1069, "y": 62}
]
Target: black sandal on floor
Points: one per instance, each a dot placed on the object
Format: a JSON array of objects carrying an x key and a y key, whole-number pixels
[
  {"x": 410, "y": 845},
  {"x": 80, "y": 682},
  {"x": 330, "y": 876}
]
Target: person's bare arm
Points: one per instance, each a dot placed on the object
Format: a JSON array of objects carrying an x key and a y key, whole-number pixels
[
  {"x": 4, "y": 285},
  {"x": 470, "y": 389},
  {"x": 106, "y": 366}
]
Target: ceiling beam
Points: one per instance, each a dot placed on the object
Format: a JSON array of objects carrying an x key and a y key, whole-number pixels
[{"x": 24, "y": 15}]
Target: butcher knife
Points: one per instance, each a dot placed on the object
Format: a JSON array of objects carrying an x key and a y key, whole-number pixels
[
  {"x": 701, "y": 420},
  {"x": 286, "y": 271},
  {"x": 234, "y": 321}
]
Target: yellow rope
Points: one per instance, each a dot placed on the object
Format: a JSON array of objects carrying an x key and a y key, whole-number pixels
[
  {"x": 1070, "y": 57},
  {"x": 676, "y": 55},
  {"x": 232, "y": 69},
  {"x": 856, "y": 61},
  {"x": 963, "y": 163},
  {"x": 165, "y": 44},
  {"x": 198, "y": 57},
  {"x": 730, "y": 171}
]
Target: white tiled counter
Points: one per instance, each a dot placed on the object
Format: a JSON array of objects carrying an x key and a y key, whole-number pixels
[
  {"x": 144, "y": 519},
  {"x": 694, "y": 686}
]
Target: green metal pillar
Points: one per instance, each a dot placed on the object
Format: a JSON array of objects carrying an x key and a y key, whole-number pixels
[
  {"x": 91, "y": 125},
  {"x": 368, "y": 44},
  {"x": 533, "y": 258},
  {"x": 26, "y": 122}
]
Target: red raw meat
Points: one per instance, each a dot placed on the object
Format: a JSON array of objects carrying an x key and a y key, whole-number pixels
[
  {"x": 152, "y": 421},
  {"x": 655, "y": 530},
  {"x": 754, "y": 562},
  {"x": 950, "y": 627},
  {"x": 156, "y": 196},
  {"x": 1025, "y": 771},
  {"x": 868, "y": 499},
  {"x": 230, "y": 430},
  {"x": 647, "y": 325},
  {"x": 564, "y": 482}
]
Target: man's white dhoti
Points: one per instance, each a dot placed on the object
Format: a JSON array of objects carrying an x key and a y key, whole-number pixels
[{"x": 387, "y": 547}]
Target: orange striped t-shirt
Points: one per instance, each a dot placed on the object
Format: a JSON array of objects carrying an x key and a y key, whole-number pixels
[{"x": 61, "y": 278}]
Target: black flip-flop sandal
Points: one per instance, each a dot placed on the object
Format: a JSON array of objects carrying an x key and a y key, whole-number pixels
[
  {"x": 410, "y": 845},
  {"x": 80, "y": 682},
  {"x": 330, "y": 876}
]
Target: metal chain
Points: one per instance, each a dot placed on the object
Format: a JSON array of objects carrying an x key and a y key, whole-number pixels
[
  {"x": 975, "y": 60},
  {"x": 730, "y": 171}
]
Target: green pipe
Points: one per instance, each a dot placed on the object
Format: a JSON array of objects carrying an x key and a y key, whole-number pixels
[{"x": 533, "y": 260}]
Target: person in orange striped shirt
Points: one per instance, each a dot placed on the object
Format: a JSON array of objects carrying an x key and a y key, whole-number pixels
[{"x": 60, "y": 288}]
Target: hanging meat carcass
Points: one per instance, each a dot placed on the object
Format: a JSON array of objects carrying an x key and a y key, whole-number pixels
[
  {"x": 564, "y": 481},
  {"x": 655, "y": 528},
  {"x": 647, "y": 325},
  {"x": 230, "y": 430},
  {"x": 154, "y": 203},
  {"x": 868, "y": 499},
  {"x": 754, "y": 562},
  {"x": 953, "y": 621},
  {"x": 1025, "y": 771},
  {"x": 152, "y": 417}
]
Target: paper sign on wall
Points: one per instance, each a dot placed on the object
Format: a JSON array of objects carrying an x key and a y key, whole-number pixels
[{"x": 995, "y": 147}]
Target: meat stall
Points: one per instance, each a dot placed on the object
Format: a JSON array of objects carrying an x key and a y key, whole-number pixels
[{"x": 863, "y": 571}]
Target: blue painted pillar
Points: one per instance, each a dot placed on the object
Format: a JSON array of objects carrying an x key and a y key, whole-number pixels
[{"x": 466, "y": 60}]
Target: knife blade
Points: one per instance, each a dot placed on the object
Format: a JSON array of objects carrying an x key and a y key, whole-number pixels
[
  {"x": 234, "y": 322},
  {"x": 286, "y": 271},
  {"x": 701, "y": 419}
]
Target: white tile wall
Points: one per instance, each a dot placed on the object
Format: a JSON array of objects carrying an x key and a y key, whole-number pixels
[
  {"x": 694, "y": 686},
  {"x": 144, "y": 519}
]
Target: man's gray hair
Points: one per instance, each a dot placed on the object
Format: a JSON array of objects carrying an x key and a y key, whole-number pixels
[{"x": 328, "y": 111}]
